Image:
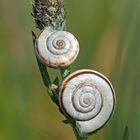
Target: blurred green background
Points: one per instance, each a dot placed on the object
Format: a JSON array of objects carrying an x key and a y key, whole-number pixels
[{"x": 109, "y": 35}]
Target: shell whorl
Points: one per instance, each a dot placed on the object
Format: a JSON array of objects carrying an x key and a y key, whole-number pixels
[
  {"x": 88, "y": 97},
  {"x": 56, "y": 48}
]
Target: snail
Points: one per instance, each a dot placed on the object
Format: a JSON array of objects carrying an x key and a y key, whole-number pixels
[
  {"x": 87, "y": 97},
  {"x": 56, "y": 49}
]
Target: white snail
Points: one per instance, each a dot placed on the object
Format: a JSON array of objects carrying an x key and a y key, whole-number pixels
[
  {"x": 56, "y": 48},
  {"x": 88, "y": 97}
]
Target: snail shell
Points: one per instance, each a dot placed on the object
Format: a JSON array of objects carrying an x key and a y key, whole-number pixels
[
  {"x": 88, "y": 97},
  {"x": 56, "y": 48}
]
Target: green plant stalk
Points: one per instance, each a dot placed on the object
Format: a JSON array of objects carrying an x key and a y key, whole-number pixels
[
  {"x": 44, "y": 74},
  {"x": 79, "y": 137},
  {"x": 52, "y": 13}
]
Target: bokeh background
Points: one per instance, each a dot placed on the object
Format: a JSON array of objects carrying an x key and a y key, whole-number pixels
[{"x": 109, "y": 36}]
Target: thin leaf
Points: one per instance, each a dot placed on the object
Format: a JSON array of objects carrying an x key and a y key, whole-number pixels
[
  {"x": 126, "y": 133},
  {"x": 65, "y": 72},
  {"x": 56, "y": 81}
]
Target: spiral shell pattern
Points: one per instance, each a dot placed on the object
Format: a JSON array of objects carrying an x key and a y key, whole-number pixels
[
  {"x": 88, "y": 97},
  {"x": 56, "y": 48}
]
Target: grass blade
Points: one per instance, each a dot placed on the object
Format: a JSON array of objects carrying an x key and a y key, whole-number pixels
[{"x": 126, "y": 133}]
